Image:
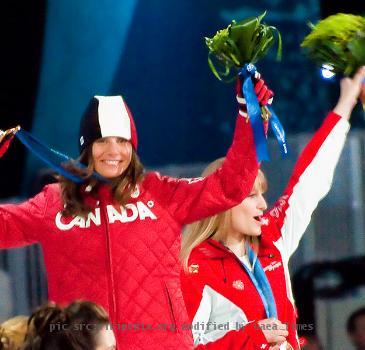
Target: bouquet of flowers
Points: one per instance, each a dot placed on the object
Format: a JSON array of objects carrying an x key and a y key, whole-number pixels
[
  {"x": 234, "y": 50},
  {"x": 241, "y": 43},
  {"x": 339, "y": 42}
]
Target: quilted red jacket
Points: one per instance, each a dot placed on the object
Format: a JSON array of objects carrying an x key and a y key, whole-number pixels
[
  {"x": 221, "y": 300},
  {"x": 127, "y": 259}
]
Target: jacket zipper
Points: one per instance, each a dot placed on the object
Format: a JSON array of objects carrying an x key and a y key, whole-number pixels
[
  {"x": 172, "y": 315},
  {"x": 111, "y": 294}
]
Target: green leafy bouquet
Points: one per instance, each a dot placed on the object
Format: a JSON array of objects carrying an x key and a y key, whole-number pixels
[
  {"x": 338, "y": 41},
  {"x": 240, "y": 43},
  {"x": 234, "y": 51}
]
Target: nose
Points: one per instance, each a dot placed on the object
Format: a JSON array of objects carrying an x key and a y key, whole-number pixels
[
  {"x": 116, "y": 148},
  {"x": 113, "y": 147},
  {"x": 262, "y": 205}
]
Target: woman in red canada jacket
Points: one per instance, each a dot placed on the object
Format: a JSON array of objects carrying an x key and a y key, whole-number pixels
[
  {"x": 117, "y": 243},
  {"x": 236, "y": 283}
]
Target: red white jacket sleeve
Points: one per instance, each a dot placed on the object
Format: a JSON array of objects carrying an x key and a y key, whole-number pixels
[
  {"x": 310, "y": 182},
  {"x": 216, "y": 322},
  {"x": 248, "y": 337},
  {"x": 190, "y": 200},
  {"x": 20, "y": 224}
]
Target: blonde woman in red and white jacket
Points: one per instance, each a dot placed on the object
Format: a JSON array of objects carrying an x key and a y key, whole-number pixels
[
  {"x": 236, "y": 283},
  {"x": 117, "y": 242}
]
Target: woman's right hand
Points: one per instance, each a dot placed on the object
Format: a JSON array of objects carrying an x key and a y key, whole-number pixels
[{"x": 274, "y": 331}]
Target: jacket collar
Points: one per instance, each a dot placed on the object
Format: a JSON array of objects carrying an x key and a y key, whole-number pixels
[
  {"x": 212, "y": 249},
  {"x": 103, "y": 194}
]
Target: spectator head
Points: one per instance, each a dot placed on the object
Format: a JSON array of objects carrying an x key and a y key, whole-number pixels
[
  {"x": 80, "y": 326},
  {"x": 356, "y": 328}
]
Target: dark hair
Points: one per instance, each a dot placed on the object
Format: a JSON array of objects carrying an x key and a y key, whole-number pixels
[
  {"x": 121, "y": 187},
  {"x": 351, "y": 321},
  {"x": 72, "y": 328}
]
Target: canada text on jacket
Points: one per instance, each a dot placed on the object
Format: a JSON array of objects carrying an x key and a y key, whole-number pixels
[{"x": 131, "y": 212}]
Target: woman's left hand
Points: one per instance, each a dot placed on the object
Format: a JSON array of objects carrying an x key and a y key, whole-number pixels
[
  {"x": 264, "y": 94},
  {"x": 352, "y": 89},
  {"x": 362, "y": 93}
]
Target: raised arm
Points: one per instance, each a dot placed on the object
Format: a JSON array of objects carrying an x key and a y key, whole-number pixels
[
  {"x": 190, "y": 200},
  {"x": 21, "y": 224},
  {"x": 313, "y": 174}
]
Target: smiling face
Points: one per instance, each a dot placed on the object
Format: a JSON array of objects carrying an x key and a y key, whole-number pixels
[
  {"x": 111, "y": 156},
  {"x": 246, "y": 217}
]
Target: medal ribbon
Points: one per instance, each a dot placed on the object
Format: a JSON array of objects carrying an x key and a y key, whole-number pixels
[{"x": 260, "y": 281}]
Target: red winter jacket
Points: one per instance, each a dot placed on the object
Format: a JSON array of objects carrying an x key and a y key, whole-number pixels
[
  {"x": 221, "y": 300},
  {"x": 127, "y": 259}
]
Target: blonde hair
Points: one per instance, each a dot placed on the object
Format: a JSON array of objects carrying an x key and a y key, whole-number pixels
[
  {"x": 216, "y": 226},
  {"x": 12, "y": 333}
]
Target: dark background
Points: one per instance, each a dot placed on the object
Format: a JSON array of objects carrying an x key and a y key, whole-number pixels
[{"x": 57, "y": 54}]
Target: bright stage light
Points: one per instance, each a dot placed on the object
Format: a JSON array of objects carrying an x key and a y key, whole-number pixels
[{"x": 327, "y": 71}]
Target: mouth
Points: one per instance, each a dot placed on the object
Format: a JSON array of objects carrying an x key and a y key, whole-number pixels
[
  {"x": 111, "y": 162},
  {"x": 258, "y": 219}
]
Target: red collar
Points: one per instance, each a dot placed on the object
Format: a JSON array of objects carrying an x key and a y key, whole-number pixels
[
  {"x": 103, "y": 194},
  {"x": 212, "y": 249}
]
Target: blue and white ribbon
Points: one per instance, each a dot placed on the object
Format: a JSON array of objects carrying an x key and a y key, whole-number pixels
[
  {"x": 261, "y": 283},
  {"x": 254, "y": 113},
  {"x": 56, "y": 160},
  {"x": 278, "y": 130}
]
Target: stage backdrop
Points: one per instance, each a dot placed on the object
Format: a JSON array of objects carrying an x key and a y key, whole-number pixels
[{"x": 153, "y": 53}]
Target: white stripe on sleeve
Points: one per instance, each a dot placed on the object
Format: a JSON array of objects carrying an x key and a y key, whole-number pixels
[{"x": 215, "y": 311}]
